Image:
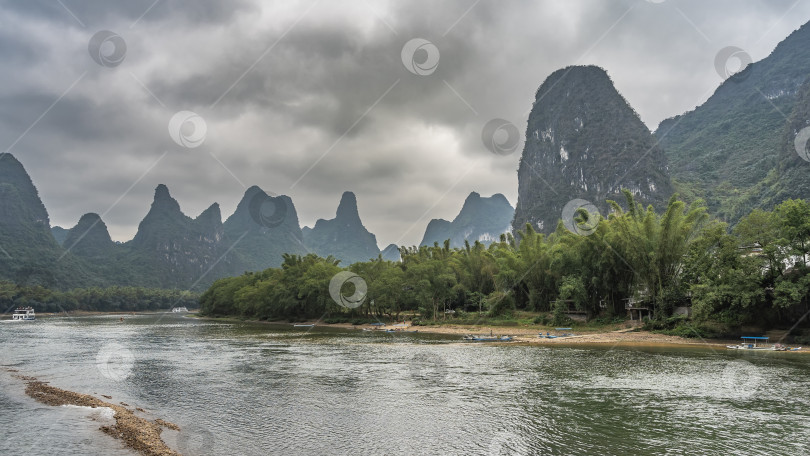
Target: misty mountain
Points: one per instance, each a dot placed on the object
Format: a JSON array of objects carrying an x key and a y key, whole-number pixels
[
  {"x": 481, "y": 219},
  {"x": 182, "y": 252},
  {"x": 89, "y": 238},
  {"x": 170, "y": 249},
  {"x": 344, "y": 237},
  {"x": 391, "y": 253},
  {"x": 263, "y": 228},
  {"x": 59, "y": 234},
  {"x": 29, "y": 254}
]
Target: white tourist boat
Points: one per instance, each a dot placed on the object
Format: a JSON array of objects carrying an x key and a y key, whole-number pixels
[
  {"x": 24, "y": 314},
  {"x": 179, "y": 310}
]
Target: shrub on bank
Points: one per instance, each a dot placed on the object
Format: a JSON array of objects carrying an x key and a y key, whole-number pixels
[{"x": 683, "y": 326}]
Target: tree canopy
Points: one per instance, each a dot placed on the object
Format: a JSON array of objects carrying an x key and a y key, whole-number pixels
[{"x": 755, "y": 273}]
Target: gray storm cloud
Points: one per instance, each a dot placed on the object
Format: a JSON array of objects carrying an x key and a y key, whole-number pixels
[{"x": 310, "y": 99}]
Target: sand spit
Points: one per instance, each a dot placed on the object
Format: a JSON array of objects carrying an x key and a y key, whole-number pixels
[{"x": 140, "y": 434}]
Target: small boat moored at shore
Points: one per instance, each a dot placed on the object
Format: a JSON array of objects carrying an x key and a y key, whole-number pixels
[
  {"x": 24, "y": 314},
  {"x": 750, "y": 343},
  {"x": 179, "y": 310},
  {"x": 473, "y": 338},
  {"x": 784, "y": 348},
  {"x": 754, "y": 343},
  {"x": 565, "y": 334},
  {"x": 548, "y": 335},
  {"x": 302, "y": 325}
]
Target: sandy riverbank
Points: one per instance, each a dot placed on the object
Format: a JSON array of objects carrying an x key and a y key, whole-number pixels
[
  {"x": 529, "y": 335},
  {"x": 626, "y": 336},
  {"x": 136, "y": 432}
]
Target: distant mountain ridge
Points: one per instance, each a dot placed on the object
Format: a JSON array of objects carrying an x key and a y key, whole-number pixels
[
  {"x": 344, "y": 237},
  {"x": 29, "y": 255},
  {"x": 180, "y": 249},
  {"x": 391, "y": 253},
  {"x": 59, "y": 234},
  {"x": 89, "y": 238},
  {"x": 265, "y": 227},
  {"x": 169, "y": 249},
  {"x": 481, "y": 219}
]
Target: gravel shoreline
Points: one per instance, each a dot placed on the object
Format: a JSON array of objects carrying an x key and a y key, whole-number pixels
[{"x": 140, "y": 434}]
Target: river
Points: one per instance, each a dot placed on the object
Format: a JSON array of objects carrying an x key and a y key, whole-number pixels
[{"x": 256, "y": 389}]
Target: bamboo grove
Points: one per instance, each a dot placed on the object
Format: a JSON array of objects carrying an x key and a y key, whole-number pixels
[{"x": 753, "y": 273}]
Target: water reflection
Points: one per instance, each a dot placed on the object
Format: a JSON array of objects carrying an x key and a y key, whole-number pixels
[{"x": 239, "y": 388}]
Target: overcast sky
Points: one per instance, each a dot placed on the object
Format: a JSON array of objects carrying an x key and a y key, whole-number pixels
[{"x": 312, "y": 98}]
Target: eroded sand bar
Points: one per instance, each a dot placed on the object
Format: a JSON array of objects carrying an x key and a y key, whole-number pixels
[{"x": 140, "y": 434}]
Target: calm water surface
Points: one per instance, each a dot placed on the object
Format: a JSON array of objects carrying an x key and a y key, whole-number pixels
[{"x": 250, "y": 389}]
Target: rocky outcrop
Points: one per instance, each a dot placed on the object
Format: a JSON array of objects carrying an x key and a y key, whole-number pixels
[{"x": 584, "y": 141}]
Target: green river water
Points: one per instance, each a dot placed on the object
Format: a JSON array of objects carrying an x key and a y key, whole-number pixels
[{"x": 256, "y": 389}]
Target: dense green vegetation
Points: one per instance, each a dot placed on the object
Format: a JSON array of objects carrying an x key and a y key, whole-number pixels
[
  {"x": 755, "y": 275},
  {"x": 113, "y": 299},
  {"x": 736, "y": 150}
]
